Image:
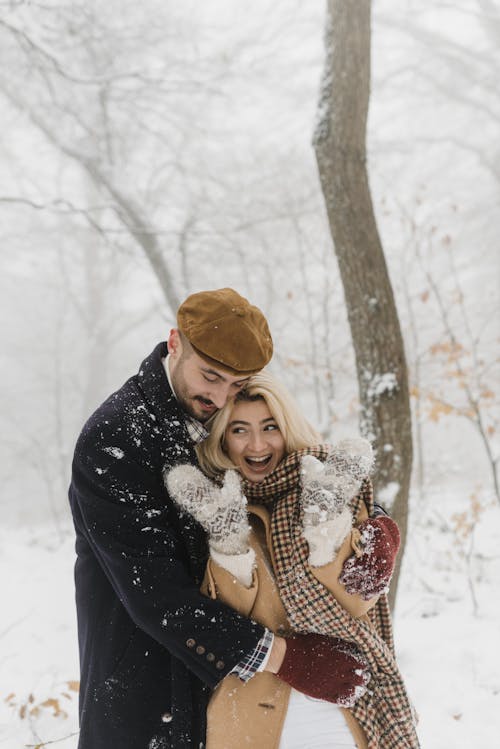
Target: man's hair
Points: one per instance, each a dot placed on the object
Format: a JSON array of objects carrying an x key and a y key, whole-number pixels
[
  {"x": 294, "y": 427},
  {"x": 187, "y": 349}
]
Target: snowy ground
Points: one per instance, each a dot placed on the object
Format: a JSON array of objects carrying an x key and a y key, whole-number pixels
[{"x": 450, "y": 657}]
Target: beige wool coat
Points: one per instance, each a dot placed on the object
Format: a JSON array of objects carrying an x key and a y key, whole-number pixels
[{"x": 252, "y": 714}]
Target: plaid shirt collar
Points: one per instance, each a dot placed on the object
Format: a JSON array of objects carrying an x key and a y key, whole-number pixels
[{"x": 196, "y": 429}]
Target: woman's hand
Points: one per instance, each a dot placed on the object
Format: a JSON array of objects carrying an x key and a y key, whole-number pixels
[
  {"x": 220, "y": 510},
  {"x": 327, "y": 489}
]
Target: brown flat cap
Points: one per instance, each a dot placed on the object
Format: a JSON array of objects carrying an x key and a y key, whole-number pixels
[{"x": 226, "y": 330}]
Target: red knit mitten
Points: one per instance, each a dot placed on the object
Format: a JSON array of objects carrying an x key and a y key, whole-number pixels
[
  {"x": 370, "y": 573},
  {"x": 326, "y": 668}
]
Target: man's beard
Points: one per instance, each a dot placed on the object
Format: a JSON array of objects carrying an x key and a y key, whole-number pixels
[
  {"x": 188, "y": 408},
  {"x": 187, "y": 399}
]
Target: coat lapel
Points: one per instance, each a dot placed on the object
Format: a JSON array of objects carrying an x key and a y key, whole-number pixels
[{"x": 178, "y": 447}]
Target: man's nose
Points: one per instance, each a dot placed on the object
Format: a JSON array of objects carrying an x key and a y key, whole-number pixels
[{"x": 220, "y": 394}]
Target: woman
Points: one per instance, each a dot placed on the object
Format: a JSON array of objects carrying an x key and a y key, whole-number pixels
[{"x": 279, "y": 559}]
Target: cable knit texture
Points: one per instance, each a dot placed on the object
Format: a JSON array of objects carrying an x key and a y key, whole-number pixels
[
  {"x": 220, "y": 510},
  {"x": 327, "y": 488}
]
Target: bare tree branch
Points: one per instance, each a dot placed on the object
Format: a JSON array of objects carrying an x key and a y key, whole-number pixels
[{"x": 129, "y": 212}]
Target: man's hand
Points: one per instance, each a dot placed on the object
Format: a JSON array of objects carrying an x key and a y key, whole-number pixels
[
  {"x": 325, "y": 668},
  {"x": 369, "y": 574}
]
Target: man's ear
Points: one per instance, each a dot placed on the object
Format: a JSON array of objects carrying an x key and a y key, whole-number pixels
[{"x": 174, "y": 343}]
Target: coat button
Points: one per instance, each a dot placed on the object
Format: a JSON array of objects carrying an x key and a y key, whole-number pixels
[
  {"x": 166, "y": 717},
  {"x": 200, "y": 650},
  {"x": 220, "y": 665},
  {"x": 190, "y": 643},
  {"x": 210, "y": 657}
]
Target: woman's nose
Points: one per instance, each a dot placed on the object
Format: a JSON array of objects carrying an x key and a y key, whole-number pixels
[{"x": 256, "y": 441}]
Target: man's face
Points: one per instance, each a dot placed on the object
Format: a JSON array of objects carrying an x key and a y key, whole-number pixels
[{"x": 200, "y": 388}]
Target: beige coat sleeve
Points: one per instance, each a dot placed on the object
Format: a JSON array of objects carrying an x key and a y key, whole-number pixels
[
  {"x": 261, "y": 601},
  {"x": 328, "y": 574}
]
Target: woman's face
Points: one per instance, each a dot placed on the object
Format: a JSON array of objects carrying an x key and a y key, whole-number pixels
[{"x": 253, "y": 441}]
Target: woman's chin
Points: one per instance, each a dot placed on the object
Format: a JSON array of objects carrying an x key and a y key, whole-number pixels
[{"x": 255, "y": 479}]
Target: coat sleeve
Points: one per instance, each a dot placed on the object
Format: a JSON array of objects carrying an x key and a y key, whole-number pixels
[
  {"x": 328, "y": 575},
  {"x": 123, "y": 513},
  {"x": 261, "y": 600}
]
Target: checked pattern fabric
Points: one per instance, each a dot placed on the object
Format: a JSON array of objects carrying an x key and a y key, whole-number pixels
[{"x": 384, "y": 712}]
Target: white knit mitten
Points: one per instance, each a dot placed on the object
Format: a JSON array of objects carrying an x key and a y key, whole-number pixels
[
  {"x": 221, "y": 511},
  {"x": 326, "y": 490}
]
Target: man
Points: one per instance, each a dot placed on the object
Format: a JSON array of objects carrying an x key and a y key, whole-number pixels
[{"x": 151, "y": 646}]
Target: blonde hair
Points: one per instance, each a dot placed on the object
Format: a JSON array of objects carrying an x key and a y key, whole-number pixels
[{"x": 294, "y": 427}]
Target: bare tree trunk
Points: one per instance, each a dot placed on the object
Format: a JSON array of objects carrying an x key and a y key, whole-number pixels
[{"x": 340, "y": 144}]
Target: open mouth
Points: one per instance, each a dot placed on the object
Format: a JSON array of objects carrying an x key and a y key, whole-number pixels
[
  {"x": 258, "y": 464},
  {"x": 206, "y": 405}
]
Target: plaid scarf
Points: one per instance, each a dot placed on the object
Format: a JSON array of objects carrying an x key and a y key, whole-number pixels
[{"x": 384, "y": 711}]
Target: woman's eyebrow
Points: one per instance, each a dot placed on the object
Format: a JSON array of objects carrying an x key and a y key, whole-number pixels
[{"x": 247, "y": 423}]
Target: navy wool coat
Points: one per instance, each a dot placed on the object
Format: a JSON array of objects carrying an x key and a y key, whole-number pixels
[{"x": 151, "y": 646}]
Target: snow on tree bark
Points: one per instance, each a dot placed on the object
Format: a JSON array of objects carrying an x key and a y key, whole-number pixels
[{"x": 340, "y": 145}]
